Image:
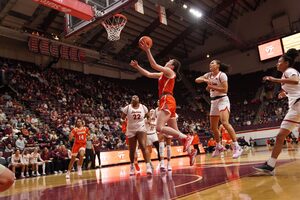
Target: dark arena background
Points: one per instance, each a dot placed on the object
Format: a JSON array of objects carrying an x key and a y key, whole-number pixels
[{"x": 63, "y": 61}]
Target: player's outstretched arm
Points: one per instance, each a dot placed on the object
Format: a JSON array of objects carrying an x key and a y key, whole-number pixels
[
  {"x": 165, "y": 70},
  {"x": 294, "y": 80},
  {"x": 144, "y": 72}
]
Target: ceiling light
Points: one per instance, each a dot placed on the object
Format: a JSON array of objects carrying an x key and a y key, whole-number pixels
[
  {"x": 196, "y": 13},
  {"x": 207, "y": 56},
  {"x": 55, "y": 37},
  {"x": 184, "y": 6}
]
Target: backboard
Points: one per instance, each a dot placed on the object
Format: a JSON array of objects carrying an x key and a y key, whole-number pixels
[{"x": 102, "y": 9}]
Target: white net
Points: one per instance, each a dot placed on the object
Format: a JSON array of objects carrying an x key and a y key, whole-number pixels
[{"x": 114, "y": 26}]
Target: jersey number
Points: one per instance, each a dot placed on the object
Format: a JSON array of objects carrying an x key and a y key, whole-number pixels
[
  {"x": 81, "y": 137},
  {"x": 136, "y": 116}
]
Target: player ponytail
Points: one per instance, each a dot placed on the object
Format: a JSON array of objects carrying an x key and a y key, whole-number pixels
[
  {"x": 177, "y": 66},
  {"x": 290, "y": 56},
  {"x": 223, "y": 67}
]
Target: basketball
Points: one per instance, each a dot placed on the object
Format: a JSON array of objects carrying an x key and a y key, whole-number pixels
[{"x": 147, "y": 40}]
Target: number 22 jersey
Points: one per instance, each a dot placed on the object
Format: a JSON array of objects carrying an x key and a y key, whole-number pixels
[{"x": 135, "y": 117}]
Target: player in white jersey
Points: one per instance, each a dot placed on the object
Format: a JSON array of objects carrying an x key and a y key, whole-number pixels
[
  {"x": 217, "y": 85},
  {"x": 291, "y": 89},
  {"x": 152, "y": 138},
  {"x": 136, "y": 131}
]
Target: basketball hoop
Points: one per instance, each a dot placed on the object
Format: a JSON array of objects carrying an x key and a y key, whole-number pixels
[{"x": 114, "y": 25}]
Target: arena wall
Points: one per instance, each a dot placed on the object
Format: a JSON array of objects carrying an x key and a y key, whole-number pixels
[
  {"x": 276, "y": 18},
  {"x": 263, "y": 133}
]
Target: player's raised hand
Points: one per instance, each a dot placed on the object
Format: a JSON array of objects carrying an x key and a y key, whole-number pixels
[
  {"x": 134, "y": 63},
  {"x": 144, "y": 46},
  {"x": 268, "y": 78}
]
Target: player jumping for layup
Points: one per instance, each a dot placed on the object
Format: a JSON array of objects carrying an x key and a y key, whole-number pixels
[{"x": 167, "y": 104}]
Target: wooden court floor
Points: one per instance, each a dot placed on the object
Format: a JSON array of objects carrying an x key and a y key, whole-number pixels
[{"x": 210, "y": 178}]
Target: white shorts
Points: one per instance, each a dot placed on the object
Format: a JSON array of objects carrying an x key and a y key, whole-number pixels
[
  {"x": 151, "y": 138},
  {"x": 26, "y": 163},
  {"x": 219, "y": 105},
  {"x": 131, "y": 134},
  {"x": 292, "y": 118}
]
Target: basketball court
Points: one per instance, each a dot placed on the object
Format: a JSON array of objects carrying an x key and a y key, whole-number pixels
[
  {"x": 108, "y": 32},
  {"x": 210, "y": 178}
]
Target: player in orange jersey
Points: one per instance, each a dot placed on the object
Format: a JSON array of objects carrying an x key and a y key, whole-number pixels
[
  {"x": 226, "y": 139},
  {"x": 80, "y": 133},
  {"x": 167, "y": 104}
]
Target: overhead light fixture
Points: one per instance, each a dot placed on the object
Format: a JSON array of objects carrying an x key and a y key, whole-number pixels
[
  {"x": 207, "y": 56},
  {"x": 56, "y": 37},
  {"x": 172, "y": 0},
  {"x": 196, "y": 13},
  {"x": 184, "y": 6}
]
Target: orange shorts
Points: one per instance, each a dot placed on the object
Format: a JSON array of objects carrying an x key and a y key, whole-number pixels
[
  {"x": 77, "y": 147},
  {"x": 168, "y": 103}
]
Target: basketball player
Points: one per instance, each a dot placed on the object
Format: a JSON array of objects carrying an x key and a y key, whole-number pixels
[
  {"x": 152, "y": 138},
  {"x": 291, "y": 89},
  {"x": 167, "y": 105},
  {"x": 16, "y": 162},
  {"x": 217, "y": 85},
  {"x": 80, "y": 133},
  {"x": 136, "y": 131},
  {"x": 165, "y": 139},
  {"x": 226, "y": 140},
  {"x": 7, "y": 178},
  {"x": 136, "y": 162}
]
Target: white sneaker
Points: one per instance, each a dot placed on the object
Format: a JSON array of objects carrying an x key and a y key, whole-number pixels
[
  {"x": 132, "y": 170},
  {"x": 68, "y": 175},
  {"x": 218, "y": 150},
  {"x": 27, "y": 174},
  {"x": 169, "y": 167},
  {"x": 79, "y": 171},
  {"x": 37, "y": 173},
  {"x": 237, "y": 152},
  {"x": 149, "y": 170},
  {"x": 22, "y": 176}
]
